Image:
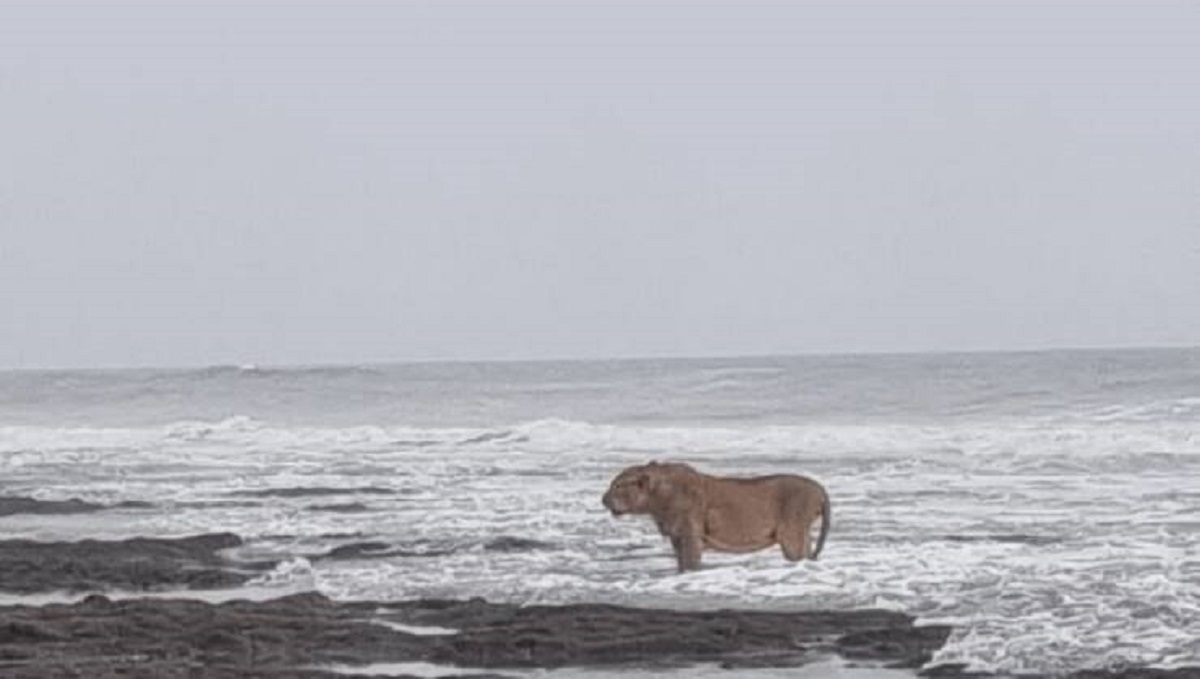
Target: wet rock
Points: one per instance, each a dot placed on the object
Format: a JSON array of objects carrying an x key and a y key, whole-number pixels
[
  {"x": 950, "y": 671},
  {"x": 297, "y": 636},
  {"x": 28, "y": 505},
  {"x": 915, "y": 646},
  {"x": 541, "y": 636},
  {"x": 286, "y": 637},
  {"x": 1139, "y": 673},
  {"x": 10, "y": 505},
  {"x": 141, "y": 564},
  {"x": 376, "y": 550},
  {"x": 17, "y": 632},
  {"x": 358, "y": 550},
  {"x": 509, "y": 543},
  {"x": 959, "y": 671},
  {"x": 340, "y": 508}
]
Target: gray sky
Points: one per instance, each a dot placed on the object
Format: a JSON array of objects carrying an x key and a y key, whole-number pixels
[{"x": 231, "y": 182}]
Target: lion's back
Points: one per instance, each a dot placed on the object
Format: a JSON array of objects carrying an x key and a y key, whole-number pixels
[
  {"x": 749, "y": 500},
  {"x": 768, "y": 495}
]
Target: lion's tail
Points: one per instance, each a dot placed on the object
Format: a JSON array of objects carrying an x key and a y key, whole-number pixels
[{"x": 825, "y": 516}]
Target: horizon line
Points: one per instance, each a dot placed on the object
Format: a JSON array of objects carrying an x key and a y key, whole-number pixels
[{"x": 336, "y": 364}]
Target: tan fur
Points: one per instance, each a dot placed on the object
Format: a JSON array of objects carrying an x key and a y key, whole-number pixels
[{"x": 699, "y": 511}]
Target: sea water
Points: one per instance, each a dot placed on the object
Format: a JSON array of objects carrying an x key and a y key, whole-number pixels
[{"x": 1047, "y": 504}]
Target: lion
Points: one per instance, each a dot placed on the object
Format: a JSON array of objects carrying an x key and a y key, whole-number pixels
[{"x": 698, "y": 511}]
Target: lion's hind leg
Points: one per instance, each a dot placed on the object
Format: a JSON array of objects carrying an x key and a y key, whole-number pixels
[
  {"x": 793, "y": 537},
  {"x": 795, "y": 532}
]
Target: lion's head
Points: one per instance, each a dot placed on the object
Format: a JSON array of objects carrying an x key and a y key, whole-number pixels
[
  {"x": 640, "y": 489},
  {"x": 629, "y": 493}
]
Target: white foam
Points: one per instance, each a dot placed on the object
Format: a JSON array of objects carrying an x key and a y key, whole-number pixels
[
  {"x": 416, "y": 630},
  {"x": 1040, "y": 539},
  {"x": 294, "y": 574}
]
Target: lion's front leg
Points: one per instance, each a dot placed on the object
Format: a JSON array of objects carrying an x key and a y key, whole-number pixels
[{"x": 688, "y": 548}]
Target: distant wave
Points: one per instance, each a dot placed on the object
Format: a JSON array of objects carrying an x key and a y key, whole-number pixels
[
  {"x": 251, "y": 370},
  {"x": 194, "y": 429},
  {"x": 1161, "y": 410},
  {"x": 738, "y": 374},
  {"x": 1096, "y": 435}
]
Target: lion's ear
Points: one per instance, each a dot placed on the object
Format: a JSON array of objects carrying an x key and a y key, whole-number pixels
[{"x": 657, "y": 483}]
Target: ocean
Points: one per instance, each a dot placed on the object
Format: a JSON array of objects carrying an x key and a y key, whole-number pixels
[{"x": 1045, "y": 504}]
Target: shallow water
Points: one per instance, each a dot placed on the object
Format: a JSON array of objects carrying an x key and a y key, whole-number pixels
[{"x": 1043, "y": 504}]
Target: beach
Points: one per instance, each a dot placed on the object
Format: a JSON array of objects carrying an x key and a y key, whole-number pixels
[{"x": 1025, "y": 514}]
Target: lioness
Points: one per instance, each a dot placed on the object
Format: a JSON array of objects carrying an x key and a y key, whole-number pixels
[{"x": 698, "y": 511}]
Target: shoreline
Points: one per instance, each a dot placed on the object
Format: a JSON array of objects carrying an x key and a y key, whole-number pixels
[
  {"x": 309, "y": 635},
  {"x": 303, "y": 632},
  {"x": 152, "y": 620}
]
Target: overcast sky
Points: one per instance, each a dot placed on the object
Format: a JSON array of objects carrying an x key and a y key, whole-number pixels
[{"x": 234, "y": 182}]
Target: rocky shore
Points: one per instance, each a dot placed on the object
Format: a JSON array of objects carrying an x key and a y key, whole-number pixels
[
  {"x": 299, "y": 635},
  {"x": 296, "y": 635},
  {"x": 307, "y": 634}
]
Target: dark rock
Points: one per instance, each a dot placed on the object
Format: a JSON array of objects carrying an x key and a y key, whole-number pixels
[
  {"x": 540, "y": 636},
  {"x": 509, "y": 543},
  {"x": 358, "y": 550},
  {"x": 950, "y": 671},
  {"x": 17, "y": 632},
  {"x": 179, "y": 638},
  {"x": 206, "y": 504},
  {"x": 295, "y": 636},
  {"x": 375, "y": 550},
  {"x": 1139, "y": 673},
  {"x": 27, "y": 566},
  {"x": 959, "y": 671},
  {"x": 342, "y": 508},
  {"x": 288, "y": 637},
  {"x": 28, "y": 505},
  {"x": 915, "y": 646}
]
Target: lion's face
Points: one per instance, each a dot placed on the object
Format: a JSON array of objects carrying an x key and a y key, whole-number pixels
[{"x": 629, "y": 493}]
